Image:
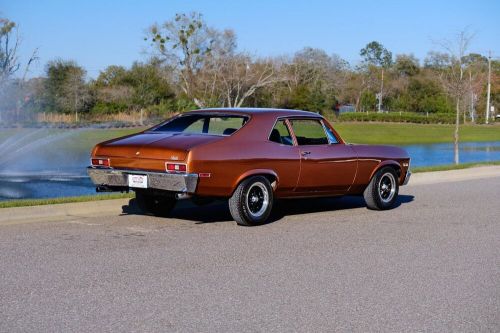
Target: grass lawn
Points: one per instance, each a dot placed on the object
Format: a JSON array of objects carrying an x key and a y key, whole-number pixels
[
  {"x": 453, "y": 166},
  {"x": 402, "y": 134},
  {"x": 355, "y": 132},
  {"x": 51, "y": 201}
]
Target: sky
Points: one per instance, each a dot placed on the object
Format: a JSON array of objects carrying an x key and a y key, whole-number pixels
[{"x": 99, "y": 33}]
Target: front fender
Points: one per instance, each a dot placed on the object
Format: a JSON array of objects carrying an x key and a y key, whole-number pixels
[{"x": 386, "y": 163}]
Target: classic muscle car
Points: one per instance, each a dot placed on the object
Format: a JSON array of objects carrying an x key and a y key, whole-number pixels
[{"x": 251, "y": 157}]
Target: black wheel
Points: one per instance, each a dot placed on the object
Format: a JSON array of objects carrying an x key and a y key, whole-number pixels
[
  {"x": 252, "y": 201},
  {"x": 154, "y": 204},
  {"x": 382, "y": 192}
]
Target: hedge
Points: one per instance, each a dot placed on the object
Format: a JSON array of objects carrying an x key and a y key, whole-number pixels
[{"x": 403, "y": 117}]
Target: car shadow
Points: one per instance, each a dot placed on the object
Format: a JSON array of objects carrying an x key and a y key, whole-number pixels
[{"x": 218, "y": 211}]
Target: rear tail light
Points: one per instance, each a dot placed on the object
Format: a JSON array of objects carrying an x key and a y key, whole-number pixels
[
  {"x": 100, "y": 162},
  {"x": 176, "y": 167}
]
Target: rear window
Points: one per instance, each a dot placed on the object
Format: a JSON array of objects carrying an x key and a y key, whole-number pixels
[{"x": 204, "y": 124}]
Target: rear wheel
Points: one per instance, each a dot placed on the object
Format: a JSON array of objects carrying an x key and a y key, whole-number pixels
[
  {"x": 252, "y": 201},
  {"x": 156, "y": 205},
  {"x": 382, "y": 192}
]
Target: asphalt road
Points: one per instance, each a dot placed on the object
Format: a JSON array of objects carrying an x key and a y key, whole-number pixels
[{"x": 431, "y": 264}]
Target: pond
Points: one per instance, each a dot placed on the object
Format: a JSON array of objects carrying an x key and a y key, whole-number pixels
[
  {"x": 45, "y": 163},
  {"x": 442, "y": 153}
]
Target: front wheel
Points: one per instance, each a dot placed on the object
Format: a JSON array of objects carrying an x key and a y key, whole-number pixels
[
  {"x": 382, "y": 192},
  {"x": 252, "y": 201},
  {"x": 156, "y": 205}
]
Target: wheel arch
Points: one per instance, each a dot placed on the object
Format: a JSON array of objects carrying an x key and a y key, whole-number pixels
[
  {"x": 390, "y": 163},
  {"x": 271, "y": 175}
]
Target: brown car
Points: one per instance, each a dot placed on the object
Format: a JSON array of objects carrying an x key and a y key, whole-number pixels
[{"x": 249, "y": 156}]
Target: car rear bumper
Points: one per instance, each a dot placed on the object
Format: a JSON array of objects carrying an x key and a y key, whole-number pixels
[
  {"x": 407, "y": 177},
  {"x": 184, "y": 183}
]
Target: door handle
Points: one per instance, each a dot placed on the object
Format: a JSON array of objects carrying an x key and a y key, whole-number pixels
[{"x": 305, "y": 153}]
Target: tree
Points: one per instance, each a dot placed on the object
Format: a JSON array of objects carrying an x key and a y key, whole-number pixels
[
  {"x": 209, "y": 70},
  {"x": 407, "y": 65},
  {"x": 437, "y": 60},
  {"x": 9, "y": 43},
  {"x": 185, "y": 42},
  {"x": 376, "y": 54},
  {"x": 10, "y": 64},
  {"x": 119, "y": 89},
  {"x": 453, "y": 79},
  {"x": 65, "y": 87}
]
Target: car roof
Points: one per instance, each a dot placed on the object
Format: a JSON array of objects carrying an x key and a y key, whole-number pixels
[{"x": 259, "y": 111}]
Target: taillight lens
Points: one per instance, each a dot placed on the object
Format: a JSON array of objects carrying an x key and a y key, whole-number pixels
[
  {"x": 176, "y": 167},
  {"x": 100, "y": 162}
]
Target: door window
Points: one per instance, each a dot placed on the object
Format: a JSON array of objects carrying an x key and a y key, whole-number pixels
[
  {"x": 309, "y": 132},
  {"x": 280, "y": 134}
]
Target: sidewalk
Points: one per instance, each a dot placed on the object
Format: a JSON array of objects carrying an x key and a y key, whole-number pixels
[{"x": 435, "y": 177}]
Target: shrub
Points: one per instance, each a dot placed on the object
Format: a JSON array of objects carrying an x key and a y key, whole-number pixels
[{"x": 402, "y": 117}]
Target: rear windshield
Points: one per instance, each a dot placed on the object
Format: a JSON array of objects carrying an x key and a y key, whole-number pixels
[{"x": 204, "y": 124}]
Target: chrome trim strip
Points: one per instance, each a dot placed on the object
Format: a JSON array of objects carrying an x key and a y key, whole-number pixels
[{"x": 175, "y": 182}]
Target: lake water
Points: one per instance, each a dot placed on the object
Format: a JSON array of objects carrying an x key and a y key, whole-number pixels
[{"x": 53, "y": 166}]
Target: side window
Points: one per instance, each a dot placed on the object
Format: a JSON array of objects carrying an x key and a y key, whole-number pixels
[
  {"x": 309, "y": 132},
  {"x": 331, "y": 136},
  {"x": 225, "y": 125},
  {"x": 196, "y": 127},
  {"x": 280, "y": 134}
]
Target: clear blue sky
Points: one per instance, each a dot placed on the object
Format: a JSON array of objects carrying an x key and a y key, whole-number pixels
[{"x": 98, "y": 33}]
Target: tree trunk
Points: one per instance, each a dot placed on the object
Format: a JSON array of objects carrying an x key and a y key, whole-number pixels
[
  {"x": 381, "y": 92},
  {"x": 455, "y": 136}
]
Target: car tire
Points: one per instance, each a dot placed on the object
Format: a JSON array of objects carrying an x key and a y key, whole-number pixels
[
  {"x": 156, "y": 205},
  {"x": 252, "y": 201},
  {"x": 382, "y": 191}
]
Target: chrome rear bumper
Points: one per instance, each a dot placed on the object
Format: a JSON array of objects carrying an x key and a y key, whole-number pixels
[
  {"x": 407, "y": 177},
  {"x": 185, "y": 183}
]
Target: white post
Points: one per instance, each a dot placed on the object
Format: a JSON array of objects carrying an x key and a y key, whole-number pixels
[{"x": 489, "y": 89}]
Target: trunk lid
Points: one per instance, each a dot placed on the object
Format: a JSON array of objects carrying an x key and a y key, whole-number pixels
[{"x": 164, "y": 146}]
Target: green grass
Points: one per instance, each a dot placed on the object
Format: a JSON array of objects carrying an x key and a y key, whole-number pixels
[
  {"x": 52, "y": 201},
  {"x": 453, "y": 166},
  {"x": 402, "y": 134}
]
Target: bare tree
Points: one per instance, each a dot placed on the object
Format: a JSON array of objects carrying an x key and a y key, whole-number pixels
[
  {"x": 9, "y": 43},
  {"x": 184, "y": 42},
  {"x": 210, "y": 71},
  {"x": 242, "y": 77},
  {"x": 10, "y": 64},
  {"x": 453, "y": 78}
]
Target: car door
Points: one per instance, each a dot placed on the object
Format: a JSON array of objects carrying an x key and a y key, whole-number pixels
[{"x": 326, "y": 166}]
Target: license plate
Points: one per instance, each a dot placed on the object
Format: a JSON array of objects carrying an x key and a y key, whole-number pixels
[{"x": 139, "y": 181}]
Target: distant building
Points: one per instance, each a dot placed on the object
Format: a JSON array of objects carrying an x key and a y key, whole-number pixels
[{"x": 340, "y": 109}]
